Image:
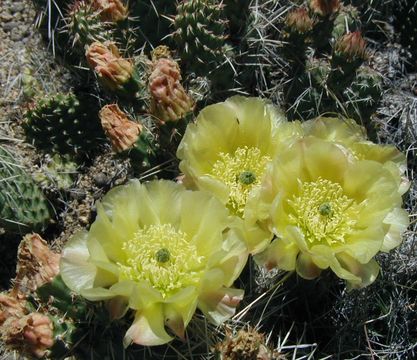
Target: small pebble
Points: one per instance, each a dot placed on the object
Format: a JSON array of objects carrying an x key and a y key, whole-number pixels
[
  {"x": 9, "y": 26},
  {"x": 101, "y": 179},
  {"x": 16, "y": 35},
  {"x": 78, "y": 194},
  {"x": 17, "y": 7}
]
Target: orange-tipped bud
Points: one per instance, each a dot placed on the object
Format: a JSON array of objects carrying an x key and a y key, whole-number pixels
[
  {"x": 110, "y": 10},
  {"x": 121, "y": 131},
  {"x": 170, "y": 101},
  {"x": 112, "y": 69},
  {"x": 36, "y": 264},
  {"x": 324, "y": 7},
  {"x": 352, "y": 46},
  {"x": 298, "y": 20}
]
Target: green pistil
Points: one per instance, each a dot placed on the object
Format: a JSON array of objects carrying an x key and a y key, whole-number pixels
[
  {"x": 323, "y": 212},
  {"x": 162, "y": 255},
  {"x": 241, "y": 171},
  {"x": 247, "y": 177},
  {"x": 325, "y": 209}
]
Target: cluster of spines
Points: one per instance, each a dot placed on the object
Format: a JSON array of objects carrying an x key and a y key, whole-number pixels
[
  {"x": 64, "y": 123},
  {"x": 326, "y": 53},
  {"x": 23, "y": 206},
  {"x": 200, "y": 30},
  {"x": 85, "y": 26}
]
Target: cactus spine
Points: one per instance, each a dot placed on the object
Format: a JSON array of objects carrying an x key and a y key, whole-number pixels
[
  {"x": 23, "y": 207},
  {"x": 64, "y": 123},
  {"x": 200, "y": 30}
]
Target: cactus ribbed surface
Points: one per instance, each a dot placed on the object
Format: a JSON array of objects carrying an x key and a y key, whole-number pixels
[
  {"x": 152, "y": 20},
  {"x": 200, "y": 33},
  {"x": 64, "y": 123},
  {"x": 23, "y": 207},
  {"x": 85, "y": 25}
]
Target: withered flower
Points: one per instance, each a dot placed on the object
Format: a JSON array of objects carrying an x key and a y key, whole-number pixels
[
  {"x": 111, "y": 68},
  {"x": 352, "y": 46},
  {"x": 31, "y": 334},
  {"x": 111, "y": 10},
  {"x": 169, "y": 100},
  {"x": 324, "y": 7},
  {"x": 36, "y": 264},
  {"x": 299, "y": 21},
  {"x": 121, "y": 131}
]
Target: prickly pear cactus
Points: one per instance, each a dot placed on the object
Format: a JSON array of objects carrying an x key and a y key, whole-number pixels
[
  {"x": 80, "y": 328},
  {"x": 23, "y": 207},
  {"x": 237, "y": 13},
  {"x": 85, "y": 25},
  {"x": 326, "y": 53},
  {"x": 56, "y": 172},
  {"x": 200, "y": 32},
  {"x": 64, "y": 123},
  {"x": 153, "y": 20}
]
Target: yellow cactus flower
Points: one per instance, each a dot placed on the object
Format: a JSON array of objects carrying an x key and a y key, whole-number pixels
[
  {"x": 226, "y": 152},
  {"x": 349, "y": 134},
  {"x": 161, "y": 251},
  {"x": 331, "y": 209}
]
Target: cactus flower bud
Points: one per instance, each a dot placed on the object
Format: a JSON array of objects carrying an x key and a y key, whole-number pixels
[
  {"x": 246, "y": 344},
  {"x": 36, "y": 266},
  {"x": 299, "y": 21},
  {"x": 324, "y": 7},
  {"x": 32, "y": 334},
  {"x": 121, "y": 131},
  {"x": 112, "y": 69},
  {"x": 111, "y": 10},
  {"x": 170, "y": 101},
  {"x": 352, "y": 46}
]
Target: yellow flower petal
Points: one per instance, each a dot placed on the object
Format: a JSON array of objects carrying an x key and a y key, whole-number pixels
[
  {"x": 147, "y": 328},
  {"x": 221, "y": 304},
  {"x": 179, "y": 310},
  {"x": 306, "y": 268},
  {"x": 75, "y": 270},
  {"x": 365, "y": 273},
  {"x": 398, "y": 222},
  {"x": 281, "y": 254}
]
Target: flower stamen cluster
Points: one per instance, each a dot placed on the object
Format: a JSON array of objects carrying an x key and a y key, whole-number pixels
[
  {"x": 241, "y": 172},
  {"x": 323, "y": 212},
  {"x": 163, "y": 257}
]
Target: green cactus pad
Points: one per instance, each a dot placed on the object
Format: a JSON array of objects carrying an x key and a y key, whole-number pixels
[
  {"x": 64, "y": 123},
  {"x": 200, "y": 31},
  {"x": 23, "y": 207}
]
